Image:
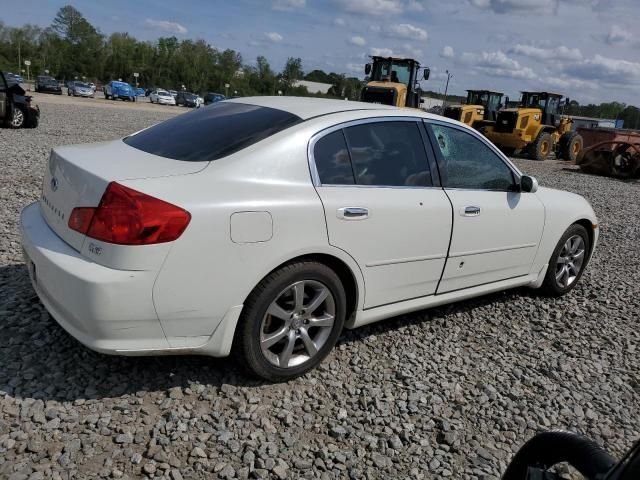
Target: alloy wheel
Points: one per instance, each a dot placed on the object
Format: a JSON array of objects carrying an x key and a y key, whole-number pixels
[
  {"x": 18, "y": 118},
  {"x": 570, "y": 261},
  {"x": 297, "y": 323}
]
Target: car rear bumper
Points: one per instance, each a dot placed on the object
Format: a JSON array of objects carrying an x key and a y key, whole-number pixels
[
  {"x": 110, "y": 311},
  {"x": 107, "y": 310}
]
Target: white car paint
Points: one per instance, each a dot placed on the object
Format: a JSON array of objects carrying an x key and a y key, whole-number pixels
[
  {"x": 257, "y": 209},
  {"x": 162, "y": 97}
]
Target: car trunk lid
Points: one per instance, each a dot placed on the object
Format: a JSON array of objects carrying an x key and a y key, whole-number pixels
[{"x": 77, "y": 176}]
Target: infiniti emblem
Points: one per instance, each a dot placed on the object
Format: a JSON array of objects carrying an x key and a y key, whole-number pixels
[{"x": 54, "y": 184}]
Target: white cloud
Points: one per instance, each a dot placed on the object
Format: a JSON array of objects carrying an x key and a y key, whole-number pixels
[
  {"x": 556, "y": 53},
  {"x": 382, "y": 52},
  {"x": 287, "y": 5},
  {"x": 358, "y": 41},
  {"x": 166, "y": 26},
  {"x": 405, "y": 30},
  {"x": 415, "y": 6},
  {"x": 409, "y": 50},
  {"x": 371, "y": 7},
  {"x": 273, "y": 37},
  {"x": 354, "y": 67},
  {"x": 619, "y": 36},
  {"x": 339, "y": 21},
  {"x": 447, "y": 52},
  {"x": 517, "y": 6},
  {"x": 496, "y": 64},
  {"x": 604, "y": 69}
]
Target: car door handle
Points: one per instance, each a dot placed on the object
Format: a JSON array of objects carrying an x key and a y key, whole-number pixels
[
  {"x": 353, "y": 213},
  {"x": 470, "y": 211}
]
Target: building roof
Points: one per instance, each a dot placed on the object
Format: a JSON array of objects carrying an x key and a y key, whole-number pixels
[{"x": 308, "y": 107}]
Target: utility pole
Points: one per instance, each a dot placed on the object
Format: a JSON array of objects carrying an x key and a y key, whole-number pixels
[{"x": 446, "y": 88}]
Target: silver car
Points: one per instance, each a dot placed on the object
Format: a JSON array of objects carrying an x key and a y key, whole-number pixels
[{"x": 80, "y": 89}]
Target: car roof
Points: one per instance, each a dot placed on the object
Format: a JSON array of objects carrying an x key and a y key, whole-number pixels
[{"x": 309, "y": 107}]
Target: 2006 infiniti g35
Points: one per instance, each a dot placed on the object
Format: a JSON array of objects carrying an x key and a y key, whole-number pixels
[{"x": 269, "y": 224}]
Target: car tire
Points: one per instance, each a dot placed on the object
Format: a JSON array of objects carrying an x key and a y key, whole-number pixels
[
  {"x": 568, "y": 261},
  {"x": 541, "y": 147},
  {"x": 19, "y": 117},
  {"x": 291, "y": 321}
]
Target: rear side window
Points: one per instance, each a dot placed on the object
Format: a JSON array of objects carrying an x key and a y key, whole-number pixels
[
  {"x": 388, "y": 154},
  {"x": 332, "y": 160},
  {"x": 212, "y": 132}
]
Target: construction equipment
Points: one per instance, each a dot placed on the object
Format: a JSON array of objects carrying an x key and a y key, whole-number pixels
[
  {"x": 393, "y": 81},
  {"x": 610, "y": 152},
  {"x": 479, "y": 111},
  {"x": 537, "y": 127}
]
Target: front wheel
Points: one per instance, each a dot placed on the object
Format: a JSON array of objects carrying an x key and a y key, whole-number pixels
[
  {"x": 568, "y": 261},
  {"x": 19, "y": 117},
  {"x": 541, "y": 148},
  {"x": 291, "y": 321}
]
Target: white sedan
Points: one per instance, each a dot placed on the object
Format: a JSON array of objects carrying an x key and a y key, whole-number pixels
[
  {"x": 268, "y": 224},
  {"x": 162, "y": 97}
]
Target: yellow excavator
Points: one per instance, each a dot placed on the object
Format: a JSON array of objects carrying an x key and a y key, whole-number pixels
[
  {"x": 394, "y": 81},
  {"x": 480, "y": 109},
  {"x": 536, "y": 127}
]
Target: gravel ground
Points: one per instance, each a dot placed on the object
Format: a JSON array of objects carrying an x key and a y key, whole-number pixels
[{"x": 449, "y": 392}]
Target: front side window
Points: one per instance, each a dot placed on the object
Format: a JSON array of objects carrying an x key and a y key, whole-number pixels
[
  {"x": 212, "y": 132},
  {"x": 388, "y": 154},
  {"x": 467, "y": 162}
]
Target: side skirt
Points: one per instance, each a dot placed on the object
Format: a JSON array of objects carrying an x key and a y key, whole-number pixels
[{"x": 364, "y": 317}]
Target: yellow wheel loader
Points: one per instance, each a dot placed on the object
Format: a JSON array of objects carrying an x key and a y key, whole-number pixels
[
  {"x": 480, "y": 109},
  {"x": 536, "y": 127},
  {"x": 393, "y": 81}
]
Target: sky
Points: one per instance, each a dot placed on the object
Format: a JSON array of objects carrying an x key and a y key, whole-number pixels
[{"x": 588, "y": 50}]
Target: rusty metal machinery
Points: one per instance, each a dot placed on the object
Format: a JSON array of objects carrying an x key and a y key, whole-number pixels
[{"x": 610, "y": 152}]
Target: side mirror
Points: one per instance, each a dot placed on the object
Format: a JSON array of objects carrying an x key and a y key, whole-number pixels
[
  {"x": 426, "y": 73},
  {"x": 567, "y": 101},
  {"x": 528, "y": 184},
  {"x": 506, "y": 101},
  {"x": 367, "y": 69}
]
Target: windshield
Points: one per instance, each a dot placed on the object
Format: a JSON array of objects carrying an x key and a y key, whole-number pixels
[
  {"x": 392, "y": 71},
  {"x": 82, "y": 85},
  {"x": 534, "y": 100},
  {"x": 212, "y": 132},
  {"x": 477, "y": 98}
]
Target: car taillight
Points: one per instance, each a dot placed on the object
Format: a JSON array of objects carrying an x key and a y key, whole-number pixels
[{"x": 128, "y": 217}]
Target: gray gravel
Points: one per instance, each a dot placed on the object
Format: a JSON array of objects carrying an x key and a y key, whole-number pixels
[{"x": 449, "y": 392}]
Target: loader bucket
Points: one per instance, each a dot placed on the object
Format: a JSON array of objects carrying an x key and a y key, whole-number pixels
[{"x": 613, "y": 159}]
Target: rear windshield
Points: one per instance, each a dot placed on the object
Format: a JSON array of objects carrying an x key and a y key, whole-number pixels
[{"x": 212, "y": 132}]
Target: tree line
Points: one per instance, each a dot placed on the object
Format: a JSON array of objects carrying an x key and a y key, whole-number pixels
[{"x": 71, "y": 47}]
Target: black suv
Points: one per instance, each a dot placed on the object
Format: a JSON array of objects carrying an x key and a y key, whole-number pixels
[
  {"x": 47, "y": 84},
  {"x": 16, "y": 109}
]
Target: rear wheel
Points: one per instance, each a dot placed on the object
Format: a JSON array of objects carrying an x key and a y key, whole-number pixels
[
  {"x": 567, "y": 261},
  {"x": 570, "y": 146},
  {"x": 541, "y": 148},
  {"x": 291, "y": 321}
]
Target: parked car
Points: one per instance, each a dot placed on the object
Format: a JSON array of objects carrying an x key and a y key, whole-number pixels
[
  {"x": 140, "y": 92},
  {"x": 210, "y": 98},
  {"x": 16, "y": 108},
  {"x": 187, "y": 99},
  {"x": 16, "y": 76},
  {"x": 80, "y": 89},
  {"x": 173, "y": 93},
  {"x": 93, "y": 86},
  {"x": 47, "y": 84},
  {"x": 271, "y": 223},
  {"x": 116, "y": 89},
  {"x": 162, "y": 97}
]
